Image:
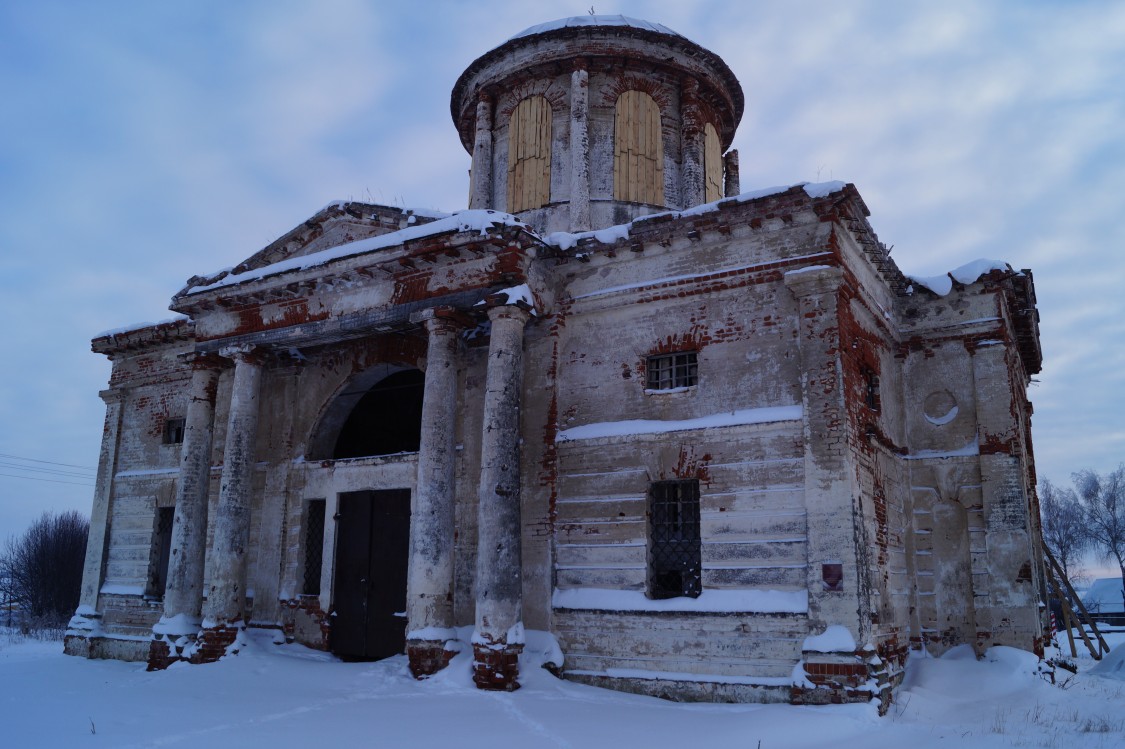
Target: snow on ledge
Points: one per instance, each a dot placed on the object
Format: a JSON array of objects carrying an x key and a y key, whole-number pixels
[
  {"x": 470, "y": 220},
  {"x": 139, "y": 326},
  {"x": 834, "y": 639},
  {"x": 971, "y": 449},
  {"x": 655, "y": 426},
  {"x": 710, "y": 601},
  {"x": 647, "y": 675},
  {"x": 566, "y": 240},
  {"x": 965, "y": 274}
]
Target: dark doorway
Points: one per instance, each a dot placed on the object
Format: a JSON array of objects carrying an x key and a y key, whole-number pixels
[
  {"x": 386, "y": 420},
  {"x": 369, "y": 595}
]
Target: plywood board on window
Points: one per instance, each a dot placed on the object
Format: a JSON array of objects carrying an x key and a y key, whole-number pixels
[
  {"x": 529, "y": 155},
  {"x": 638, "y": 151}
]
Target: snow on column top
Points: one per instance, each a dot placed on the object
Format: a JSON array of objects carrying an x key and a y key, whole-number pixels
[{"x": 588, "y": 20}]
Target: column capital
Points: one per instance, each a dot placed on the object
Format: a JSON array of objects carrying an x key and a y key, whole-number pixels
[
  {"x": 113, "y": 395},
  {"x": 243, "y": 353},
  {"x": 518, "y": 311},
  {"x": 442, "y": 319},
  {"x": 200, "y": 361}
]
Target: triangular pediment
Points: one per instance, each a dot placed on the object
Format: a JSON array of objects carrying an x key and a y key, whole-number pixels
[{"x": 337, "y": 223}]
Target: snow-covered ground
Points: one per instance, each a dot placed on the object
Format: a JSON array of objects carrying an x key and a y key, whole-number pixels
[{"x": 287, "y": 696}]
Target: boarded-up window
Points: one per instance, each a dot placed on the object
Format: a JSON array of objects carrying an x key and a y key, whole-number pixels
[
  {"x": 529, "y": 155},
  {"x": 638, "y": 150},
  {"x": 712, "y": 164}
]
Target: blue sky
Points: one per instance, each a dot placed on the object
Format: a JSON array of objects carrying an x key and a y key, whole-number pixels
[{"x": 143, "y": 143}]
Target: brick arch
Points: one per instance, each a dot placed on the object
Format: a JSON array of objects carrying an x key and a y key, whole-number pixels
[{"x": 339, "y": 408}]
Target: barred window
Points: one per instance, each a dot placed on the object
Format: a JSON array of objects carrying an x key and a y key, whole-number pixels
[
  {"x": 314, "y": 547},
  {"x": 669, "y": 371},
  {"x": 674, "y": 549},
  {"x": 173, "y": 431}
]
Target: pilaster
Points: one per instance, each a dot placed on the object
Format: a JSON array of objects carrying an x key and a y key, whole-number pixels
[
  {"x": 86, "y": 621},
  {"x": 830, "y": 492},
  {"x": 691, "y": 138},
  {"x": 579, "y": 148},
  {"x": 480, "y": 192}
]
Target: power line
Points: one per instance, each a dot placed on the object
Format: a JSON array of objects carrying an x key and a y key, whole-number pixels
[
  {"x": 35, "y": 469},
  {"x": 53, "y": 481},
  {"x": 50, "y": 462}
]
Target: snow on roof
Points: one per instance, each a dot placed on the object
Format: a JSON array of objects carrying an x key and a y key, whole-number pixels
[
  {"x": 965, "y": 274},
  {"x": 470, "y": 220},
  {"x": 566, "y": 240},
  {"x": 1104, "y": 596},
  {"x": 134, "y": 327},
  {"x": 589, "y": 20}
]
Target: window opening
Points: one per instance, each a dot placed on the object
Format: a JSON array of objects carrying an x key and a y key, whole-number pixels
[
  {"x": 386, "y": 420},
  {"x": 314, "y": 547},
  {"x": 675, "y": 556},
  {"x": 712, "y": 164},
  {"x": 162, "y": 550},
  {"x": 529, "y": 155},
  {"x": 871, "y": 395},
  {"x": 669, "y": 371},
  {"x": 173, "y": 431},
  {"x": 638, "y": 150}
]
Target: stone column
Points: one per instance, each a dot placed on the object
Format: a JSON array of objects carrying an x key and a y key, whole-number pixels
[
  {"x": 731, "y": 185},
  {"x": 429, "y": 603},
  {"x": 691, "y": 139},
  {"x": 579, "y": 148},
  {"x": 498, "y": 638},
  {"x": 480, "y": 189},
  {"x": 224, "y": 610},
  {"x": 85, "y": 620},
  {"x": 183, "y": 595}
]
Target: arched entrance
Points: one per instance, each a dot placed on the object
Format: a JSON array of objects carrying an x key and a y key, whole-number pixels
[{"x": 378, "y": 413}]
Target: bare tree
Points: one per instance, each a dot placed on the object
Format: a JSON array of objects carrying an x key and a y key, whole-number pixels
[
  {"x": 42, "y": 568},
  {"x": 1103, "y": 499},
  {"x": 1064, "y": 526}
]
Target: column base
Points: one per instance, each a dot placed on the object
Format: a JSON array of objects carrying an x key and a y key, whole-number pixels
[
  {"x": 215, "y": 642},
  {"x": 496, "y": 667},
  {"x": 427, "y": 657}
]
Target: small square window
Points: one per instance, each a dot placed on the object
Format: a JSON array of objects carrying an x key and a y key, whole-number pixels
[
  {"x": 173, "y": 431},
  {"x": 669, "y": 371}
]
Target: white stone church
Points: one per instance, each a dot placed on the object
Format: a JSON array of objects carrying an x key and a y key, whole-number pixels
[{"x": 715, "y": 443}]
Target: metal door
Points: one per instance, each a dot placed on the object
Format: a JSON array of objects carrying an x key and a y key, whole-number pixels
[{"x": 369, "y": 593}]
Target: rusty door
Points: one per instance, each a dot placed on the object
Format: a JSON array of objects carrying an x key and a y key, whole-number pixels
[{"x": 369, "y": 592}]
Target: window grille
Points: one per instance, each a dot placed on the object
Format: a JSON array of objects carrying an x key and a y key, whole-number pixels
[
  {"x": 314, "y": 547},
  {"x": 671, "y": 371},
  {"x": 173, "y": 431},
  {"x": 674, "y": 551}
]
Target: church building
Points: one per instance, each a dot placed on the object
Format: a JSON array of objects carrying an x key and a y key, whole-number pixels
[{"x": 713, "y": 442}]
